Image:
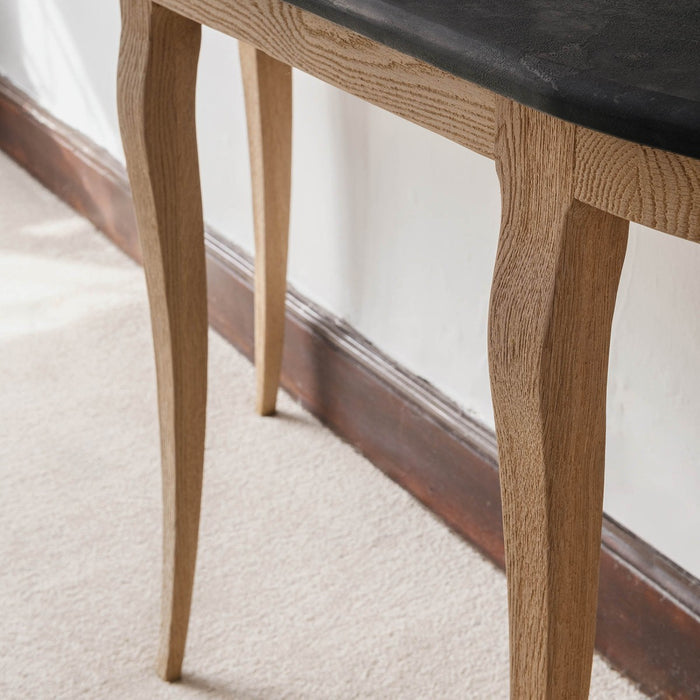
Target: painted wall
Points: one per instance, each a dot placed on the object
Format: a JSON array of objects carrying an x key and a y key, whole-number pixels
[{"x": 394, "y": 229}]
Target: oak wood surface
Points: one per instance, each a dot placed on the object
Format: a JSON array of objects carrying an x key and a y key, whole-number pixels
[
  {"x": 156, "y": 90},
  {"x": 647, "y": 185},
  {"x": 552, "y": 299},
  {"x": 455, "y": 108},
  {"x": 268, "y": 97}
]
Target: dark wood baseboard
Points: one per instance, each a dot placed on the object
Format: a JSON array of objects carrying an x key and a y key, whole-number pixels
[{"x": 649, "y": 609}]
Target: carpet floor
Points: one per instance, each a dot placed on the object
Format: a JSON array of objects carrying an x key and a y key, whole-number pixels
[{"x": 317, "y": 576}]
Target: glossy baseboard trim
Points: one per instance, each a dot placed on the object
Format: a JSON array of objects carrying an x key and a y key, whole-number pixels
[{"x": 649, "y": 609}]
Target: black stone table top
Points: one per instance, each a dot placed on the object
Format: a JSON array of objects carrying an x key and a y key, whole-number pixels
[{"x": 630, "y": 68}]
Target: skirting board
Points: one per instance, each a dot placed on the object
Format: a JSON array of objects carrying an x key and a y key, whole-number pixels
[{"x": 649, "y": 609}]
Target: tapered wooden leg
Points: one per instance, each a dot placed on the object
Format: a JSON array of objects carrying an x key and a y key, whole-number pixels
[
  {"x": 156, "y": 89},
  {"x": 268, "y": 97},
  {"x": 552, "y": 301}
]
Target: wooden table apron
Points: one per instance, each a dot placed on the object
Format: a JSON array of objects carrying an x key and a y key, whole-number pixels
[{"x": 568, "y": 194}]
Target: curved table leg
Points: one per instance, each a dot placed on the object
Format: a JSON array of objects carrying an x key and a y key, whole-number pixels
[
  {"x": 156, "y": 89},
  {"x": 268, "y": 97},
  {"x": 552, "y": 301}
]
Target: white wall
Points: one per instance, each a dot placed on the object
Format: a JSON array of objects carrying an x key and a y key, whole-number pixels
[{"x": 394, "y": 229}]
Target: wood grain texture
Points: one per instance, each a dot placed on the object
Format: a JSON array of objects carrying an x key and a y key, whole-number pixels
[
  {"x": 423, "y": 94},
  {"x": 552, "y": 301},
  {"x": 647, "y": 185},
  {"x": 156, "y": 90},
  {"x": 268, "y": 97}
]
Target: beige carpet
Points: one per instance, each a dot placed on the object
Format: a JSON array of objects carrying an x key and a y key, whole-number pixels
[{"x": 317, "y": 577}]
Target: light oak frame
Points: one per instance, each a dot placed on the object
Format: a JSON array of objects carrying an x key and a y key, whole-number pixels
[{"x": 568, "y": 194}]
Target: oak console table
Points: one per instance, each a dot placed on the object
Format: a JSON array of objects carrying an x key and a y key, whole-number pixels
[{"x": 591, "y": 111}]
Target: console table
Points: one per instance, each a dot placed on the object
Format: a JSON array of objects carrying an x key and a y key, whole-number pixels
[{"x": 591, "y": 112}]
